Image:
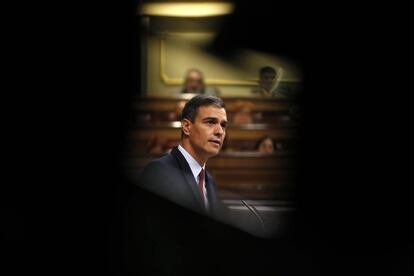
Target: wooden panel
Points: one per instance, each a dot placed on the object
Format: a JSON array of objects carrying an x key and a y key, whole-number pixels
[
  {"x": 142, "y": 146},
  {"x": 253, "y": 160},
  {"x": 251, "y": 126},
  {"x": 232, "y": 160},
  {"x": 243, "y": 175},
  {"x": 250, "y": 178},
  {"x": 255, "y": 195},
  {"x": 282, "y": 145},
  {"x": 149, "y": 133},
  {"x": 244, "y": 133},
  {"x": 151, "y": 116},
  {"x": 254, "y": 184},
  {"x": 168, "y": 104}
]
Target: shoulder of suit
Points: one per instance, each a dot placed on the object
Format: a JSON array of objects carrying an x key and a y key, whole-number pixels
[
  {"x": 161, "y": 162},
  {"x": 156, "y": 174}
]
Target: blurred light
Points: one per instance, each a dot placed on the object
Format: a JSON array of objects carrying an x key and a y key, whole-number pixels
[
  {"x": 186, "y": 9},
  {"x": 176, "y": 124}
]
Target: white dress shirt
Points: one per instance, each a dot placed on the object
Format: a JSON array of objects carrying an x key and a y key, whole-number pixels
[{"x": 195, "y": 169}]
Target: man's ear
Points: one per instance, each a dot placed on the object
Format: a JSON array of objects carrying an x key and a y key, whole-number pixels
[{"x": 186, "y": 126}]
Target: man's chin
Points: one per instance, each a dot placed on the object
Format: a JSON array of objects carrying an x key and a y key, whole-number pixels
[{"x": 212, "y": 153}]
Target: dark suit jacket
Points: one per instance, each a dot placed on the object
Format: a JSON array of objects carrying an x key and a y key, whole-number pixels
[
  {"x": 163, "y": 238},
  {"x": 170, "y": 177}
]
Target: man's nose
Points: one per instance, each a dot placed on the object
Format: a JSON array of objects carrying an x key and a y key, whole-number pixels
[{"x": 219, "y": 130}]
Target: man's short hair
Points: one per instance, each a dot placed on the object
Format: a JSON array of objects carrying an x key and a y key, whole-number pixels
[
  {"x": 267, "y": 69},
  {"x": 191, "y": 107}
]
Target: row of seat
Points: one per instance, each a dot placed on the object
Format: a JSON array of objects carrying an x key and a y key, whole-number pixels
[
  {"x": 256, "y": 110},
  {"x": 242, "y": 175}
]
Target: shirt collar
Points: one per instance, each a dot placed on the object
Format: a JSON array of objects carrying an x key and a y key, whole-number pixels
[{"x": 194, "y": 165}]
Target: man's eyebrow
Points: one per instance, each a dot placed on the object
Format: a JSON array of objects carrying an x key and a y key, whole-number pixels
[
  {"x": 215, "y": 119},
  {"x": 210, "y": 119}
]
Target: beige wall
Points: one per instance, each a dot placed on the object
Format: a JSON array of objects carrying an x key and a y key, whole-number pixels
[{"x": 170, "y": 55}]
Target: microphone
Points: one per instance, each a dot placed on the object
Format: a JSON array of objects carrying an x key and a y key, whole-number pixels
[{"x": 252, "y": 209}]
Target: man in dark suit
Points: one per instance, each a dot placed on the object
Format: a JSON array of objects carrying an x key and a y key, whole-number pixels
[
  {"x": 180, "y": 176},
  {"x": 176, "y": 225}
]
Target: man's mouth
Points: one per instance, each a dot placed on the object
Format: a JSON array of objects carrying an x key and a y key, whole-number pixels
[{"x": 217, "y": 142}]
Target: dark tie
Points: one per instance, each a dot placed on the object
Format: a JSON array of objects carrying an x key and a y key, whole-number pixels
[{"x": 201, "y": 185}]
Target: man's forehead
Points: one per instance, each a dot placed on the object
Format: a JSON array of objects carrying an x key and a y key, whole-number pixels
[{"x": 212, "y": 111}]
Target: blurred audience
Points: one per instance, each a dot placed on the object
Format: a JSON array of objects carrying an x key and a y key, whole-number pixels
[
  {"x": 242, "y": 112},
  {"x": 179, "y": 108},
  {"x": 194, "y": 83},
  {"x": 265, "y": 145},
  {"x": 269, "y": 85},
  {"x": 156, "y": 146},
  {"x": 160, "y": 145},
  {"x": 176, "y": 114}
]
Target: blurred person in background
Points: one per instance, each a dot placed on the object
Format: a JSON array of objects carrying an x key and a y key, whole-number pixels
[
  {"x": 243, "y": 112},
  {"x": 265, "y": 145},
  {"x": 194, "y": 83},
  {"x": 269, "y": 84}
]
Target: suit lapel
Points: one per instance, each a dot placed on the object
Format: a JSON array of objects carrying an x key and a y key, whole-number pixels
[{"x": 188, "y": 175}]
